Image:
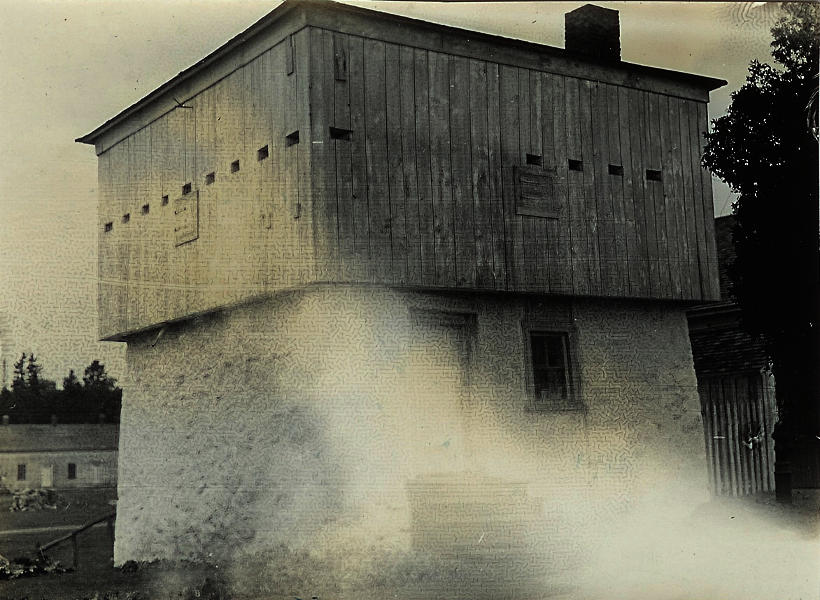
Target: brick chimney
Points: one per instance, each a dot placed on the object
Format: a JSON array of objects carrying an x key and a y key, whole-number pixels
[{"x": 594, "y": 32}]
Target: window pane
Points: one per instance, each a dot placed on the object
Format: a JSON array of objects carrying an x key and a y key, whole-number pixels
[
  {"x": 550, "y": 369},
  {"x": 539, "y": 350},
  {"x": 555, "y": 350}
]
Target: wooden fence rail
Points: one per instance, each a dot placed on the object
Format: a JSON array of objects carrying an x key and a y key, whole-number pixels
[{"x": 109, "y": 518}]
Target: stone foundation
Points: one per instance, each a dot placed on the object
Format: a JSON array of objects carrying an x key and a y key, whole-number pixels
[{"x": 297, "y": 422}]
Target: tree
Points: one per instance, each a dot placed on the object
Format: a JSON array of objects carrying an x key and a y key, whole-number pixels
[
  {"x": 101, "y": 392},
  {"x": 764, "y": 148},
  {"x": 70, "y": 382},
  {"x": 95, "y": 377},
  {"x": 19, "y": 378},
  {"x": 33, "y": 369}
]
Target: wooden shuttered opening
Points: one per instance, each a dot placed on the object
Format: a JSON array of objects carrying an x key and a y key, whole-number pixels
[{"x": 535, "y": 194}]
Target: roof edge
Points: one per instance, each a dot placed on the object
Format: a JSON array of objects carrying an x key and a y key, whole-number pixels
[{"x": 703, "y": 82}]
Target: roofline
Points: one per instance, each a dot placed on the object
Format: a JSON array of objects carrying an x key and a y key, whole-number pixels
[{"x": 700, "y": 81}]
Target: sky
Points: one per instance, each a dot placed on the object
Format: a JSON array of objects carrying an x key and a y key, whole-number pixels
[{"x": 66, "y": 66}]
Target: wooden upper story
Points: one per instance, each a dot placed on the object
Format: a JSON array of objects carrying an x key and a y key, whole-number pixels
[{"x": 332, "y": 143}]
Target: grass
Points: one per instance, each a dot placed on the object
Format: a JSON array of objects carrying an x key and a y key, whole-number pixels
[{"x": 75, "y": 507}]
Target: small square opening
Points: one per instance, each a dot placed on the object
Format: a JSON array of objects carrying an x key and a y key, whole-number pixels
[
  {"x": 576, "y": 165},
  {"x": 292, "y": 138},
  {"x": 616, "y": 170},
  {"x": 235, "y": 166},
  {"x": 186, "y": 189},
  {"x": 126, "y": 217},
  {"x": 653, "y": 175},
  {"x": 210, "y": 178},
  {"x": 165, "y": 200},
  {"x": 535, "y": 159},
  {"x": 262, "y": 153},
  {"x": 109, "y": 226},
  {"x": 341, "y": 134},
  {"x": 146, "y": 208}
]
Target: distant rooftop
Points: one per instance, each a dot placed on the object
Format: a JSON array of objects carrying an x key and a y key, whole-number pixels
[{"x": 44, "y": 438}]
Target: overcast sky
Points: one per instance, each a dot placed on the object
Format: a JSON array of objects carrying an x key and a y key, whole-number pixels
[{"x": 67, "y": 66}]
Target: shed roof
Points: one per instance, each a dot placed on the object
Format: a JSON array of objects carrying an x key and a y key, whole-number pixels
[
  {"x": 58, "y": 438},
  {"x": 720, "y": 345},
  {"x": 696, "y": 81}
]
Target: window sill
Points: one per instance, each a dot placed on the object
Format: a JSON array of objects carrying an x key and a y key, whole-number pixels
[{"x": 555, "y": 407}]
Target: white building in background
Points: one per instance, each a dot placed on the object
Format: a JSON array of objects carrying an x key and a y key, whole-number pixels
[{"x": 59, "y": 456}]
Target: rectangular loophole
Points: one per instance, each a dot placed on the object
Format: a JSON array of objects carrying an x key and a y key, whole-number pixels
[
  {"x": 341, "y": 134},
  {"x": 653, "y": 175},
  {"x": 292, "y": 138},
  {"x": 186, "y": 189},
  {"x": 146, "y": 208},
  {"x": 165, "y": 200},
  {"x": 126, "y": 217},
  {"x": 235, "y": 166},
  {"x": 575, "y": 165},
  {"x": 535, "y": 159},
  {"x": 616, "y": 170},
  {"x": 109, "y": 226},
  {"x": 210, "y": 178},
  {"x": 262, "y": 153}
]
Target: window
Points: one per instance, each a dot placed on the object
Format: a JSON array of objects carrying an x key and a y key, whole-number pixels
[
  {"x": 72, "y": 471},
  {"x": 186, "y": 189},
  {"x": 292, "y": 139},
  {"x": 109, "y": 226},
  {"x": 551, "y": 380},
  {"x": 21, "y": 472},
  {"x": 165, "y": 200},
  {"x": 575, "y": 165},
  {"x": 126, "y": 217},
  {"x": 617, "y": 170},
  {"x": 210, "y": 178},
  {"x": 146, "y": 208},
  {"x": 235, "y": 166},
  {"x": 262, "y": 153}
]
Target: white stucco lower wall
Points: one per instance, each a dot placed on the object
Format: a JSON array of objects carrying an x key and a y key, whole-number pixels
[{"x": 282, "y": 424}]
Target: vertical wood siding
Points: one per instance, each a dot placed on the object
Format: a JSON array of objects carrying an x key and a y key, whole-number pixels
[
  {"x": 256, "y": 231},
  {"x": 434, "y": 147},
  {"x": 422, "y": 191},
  {"x": 739, "y": 415}
]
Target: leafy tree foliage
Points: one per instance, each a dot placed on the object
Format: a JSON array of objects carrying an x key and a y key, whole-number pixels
[
  {"x": 33, "y": 399},
  {"x": 765, "y": 149}
]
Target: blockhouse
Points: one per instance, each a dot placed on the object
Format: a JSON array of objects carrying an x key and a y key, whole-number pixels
[{"x": 390, "y": 285}]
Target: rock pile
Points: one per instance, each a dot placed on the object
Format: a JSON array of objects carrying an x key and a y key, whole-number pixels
[
  {"x": 27, "y": 567},
  {"x": 29, "y": 499}
]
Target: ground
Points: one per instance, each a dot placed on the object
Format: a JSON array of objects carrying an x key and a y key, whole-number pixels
[{"x": 729, "y": 548}]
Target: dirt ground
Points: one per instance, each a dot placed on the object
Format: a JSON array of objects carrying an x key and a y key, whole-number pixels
[{"x": 787, "y": 528}]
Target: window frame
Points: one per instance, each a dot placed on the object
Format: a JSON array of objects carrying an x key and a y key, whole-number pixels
[{"x": 574, "y": 400}]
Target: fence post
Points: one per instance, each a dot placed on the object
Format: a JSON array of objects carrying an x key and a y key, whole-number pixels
[
  {"x": 76, "y": 551},
  {"x": 111, "y": 529}
]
